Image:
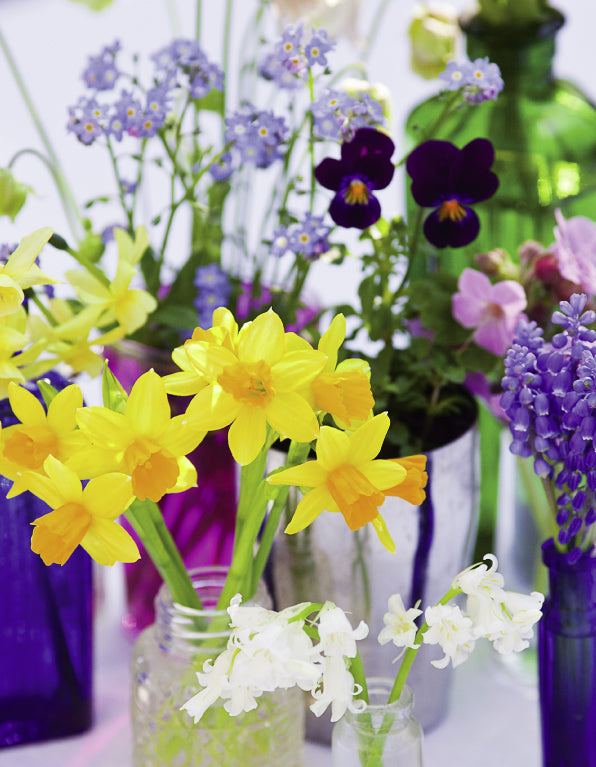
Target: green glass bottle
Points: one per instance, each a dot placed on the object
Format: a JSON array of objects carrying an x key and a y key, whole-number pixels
[{"x": 544, "y": 133}]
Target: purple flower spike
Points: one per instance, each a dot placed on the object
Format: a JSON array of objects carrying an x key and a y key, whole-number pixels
[
  {"x": 365, "y": 165},
  {"x": 450, "y": 180}
]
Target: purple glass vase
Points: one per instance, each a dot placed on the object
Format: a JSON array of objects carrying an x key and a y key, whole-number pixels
[
  {"x": 202, "y": 519},
  {"x": 45, "y": 629},
  {"x": 567, "y": 661}
]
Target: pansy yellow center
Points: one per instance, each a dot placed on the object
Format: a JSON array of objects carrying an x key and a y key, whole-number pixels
[
  {"x": 346, "y": 395},
  {"x": 29, "y": 446},
  {"x": 452, "y": 210},
  {"x": 58, "y": 533},
  {"x": 357, "y": 498},
  {"x": 154, "y": 471},
  {"x": 356, "y": 193},
  {"x": 248, "y": 382}
]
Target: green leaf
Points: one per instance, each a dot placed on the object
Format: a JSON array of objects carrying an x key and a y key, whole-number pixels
[
  {"x": 47, "y": 391},
  {"x": 113, "y": 393},
  {"x": 181, "y": 317}
]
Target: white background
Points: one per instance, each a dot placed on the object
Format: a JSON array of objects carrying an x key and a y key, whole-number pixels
[{"x": 492, "y": 719}]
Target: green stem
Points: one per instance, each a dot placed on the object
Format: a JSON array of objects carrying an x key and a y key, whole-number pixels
[
  {"x": 410, "y": 654},
  {"x": 70, "y": 206},
  {"x": 125, "y": 208},
  {"x": 148, "y": 523},
  {"x": 94, "y": 270},
  {"x": 198, "y": 22},
  {"x": 374, "y": 29}
]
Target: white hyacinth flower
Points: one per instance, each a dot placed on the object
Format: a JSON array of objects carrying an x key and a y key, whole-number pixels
[
  {"x": 452, "y": 630},
  {"x": 400, "y": 627},
  {"x": 337, "y": 637},
  {"x": 214, "y": 679},
  {"x": 338, "y": 689},
  {"x": 520, "y": 612}
]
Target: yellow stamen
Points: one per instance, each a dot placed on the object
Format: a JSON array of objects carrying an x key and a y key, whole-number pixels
[
  {"x": 452, "y": 210},
  {"x": 248, "y": 382},
  {"x": 357, "y": 499},
  {"x": 356, "y": 193}
]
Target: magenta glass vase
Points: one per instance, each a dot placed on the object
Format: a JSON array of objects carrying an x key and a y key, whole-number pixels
[
  {"x": 201, "y": 519},
  {"x": 567, "y": 661},
  {"x": 45, "y": 628}
]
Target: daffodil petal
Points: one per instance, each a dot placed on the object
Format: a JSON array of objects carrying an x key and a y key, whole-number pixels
[
  {"x": 187, "y": 476},
  {"x": 108, "y": 542},
  {"x": 27, "y": 408},
  {"x": 332, "y": 339},
  {"x": 65, "y": 479},
  {"x": 181, "y": 436},
  {"x": 297, "y": 369},
  {"x": 384, "y": 536},
  {"x": 367, "y": 440},
  {"x": 309, "y": 474},
  {"x": 91, "y": 461},
  {"x": 39, "y": 485},
  {"x": 291, "y": 416},
  {"x": 247, "y": 435},
  {"x": 332, "y": 447},
  {"x": 27, "y": 251},
  {"x": 147, "y": 407},
  {"x": 262, "y": 339},
  {"x": 309, "y": 508},
  {"x": 105, "y": 427},
  {"x": 62, "y": 409},
  {"x": 382, "y": 474},
  {"x": 212, "y": 408},
  {"x": 108, "y": 496}
]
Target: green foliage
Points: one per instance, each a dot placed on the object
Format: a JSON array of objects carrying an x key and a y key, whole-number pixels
[{"x": 113, "y": 393}]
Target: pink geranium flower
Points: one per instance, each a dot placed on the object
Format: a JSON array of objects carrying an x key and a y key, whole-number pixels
[
  {"x": 575, "y": 250},
  {"x": 493, "y": 310}
]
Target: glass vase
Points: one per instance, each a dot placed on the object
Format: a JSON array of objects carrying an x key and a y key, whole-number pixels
[
  {"x": 46, "y": 626},
  {"x": 567, "y": 661},
  {"x": 166, "y": 657},
  {"x": 383, "y": 735},
  {"x": 202, "y": 519}
]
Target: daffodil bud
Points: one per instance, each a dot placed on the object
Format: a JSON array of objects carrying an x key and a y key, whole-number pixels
[
  {"x": 433, "y": 38},
  {"x": 12, "y": 194}
]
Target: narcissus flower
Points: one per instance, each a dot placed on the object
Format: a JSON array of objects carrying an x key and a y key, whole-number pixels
[
  {"x": 255, "y": 385},
  {"x": 84, "y": 517},
  {"x": 27, "y": 445},
  {"x": 450, "y": 180},
  {"x": 345, "y": 478},
  {"x": 412, "y": 487},
  {"x": 365, "y": 165},
  {"x": 144, "y": 441},
  {"x": 20, "y": 271}
]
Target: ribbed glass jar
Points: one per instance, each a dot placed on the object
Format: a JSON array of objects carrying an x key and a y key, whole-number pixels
[
  {"x": 383, "y": 735},
  {"x": 166, "y": 657}
]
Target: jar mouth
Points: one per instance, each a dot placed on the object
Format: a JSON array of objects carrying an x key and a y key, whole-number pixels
[
  {"x": 379, "y": 689},
  {"x": 513, "y": 35}
]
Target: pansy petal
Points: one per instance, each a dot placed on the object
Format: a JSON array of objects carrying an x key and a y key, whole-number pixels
[
  {"x": 309, "y": 508},
  {"x": 108, "y": 542},
  {"x": 473, "y": 181},
  {"x": 147, "y": 407},
  {"x": 358, "y": 216},
  {"x": 429, "y": 166},
  {"x": 247, "y": 435},
  {"x": 453, "y": 234},
  {"x": 329, "y": 173}
]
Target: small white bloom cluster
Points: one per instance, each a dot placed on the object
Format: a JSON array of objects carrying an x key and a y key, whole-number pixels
[
  {"x": 269, "y": 650},
  {"x": 504, "y": 617}
]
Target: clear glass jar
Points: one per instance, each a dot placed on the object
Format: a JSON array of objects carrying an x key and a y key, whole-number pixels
[
  {"x": 165, "y": 659},
  {"x": 383, "y": 735}
]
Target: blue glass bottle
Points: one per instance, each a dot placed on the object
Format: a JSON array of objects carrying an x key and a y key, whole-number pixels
[
  {"x": 567, "y": 661},
  {"x": 45, "y": 628}
]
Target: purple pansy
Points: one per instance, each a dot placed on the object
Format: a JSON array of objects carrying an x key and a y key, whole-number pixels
[
  {"x": 365, "y": 165},
  {"x": 449, "y": 180}
]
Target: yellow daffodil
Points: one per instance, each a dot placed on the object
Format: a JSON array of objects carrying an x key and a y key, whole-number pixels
[
  {"x": 412, "y": 488},
  {"x": 342, "y": 390},
  {"x": 346, "y": 478},
  {"x": 192, "y": 376},
  {"x": 117, "y": 300},
  {"x": 17, "y": 355},
  {"x": 84, "y": 517},
  {"x": 20, "y": 271},
  {"x": 26, "y": 445},
  {"x": 254, "y": 384},
  {"x": 144, "y": 441},
  {"x": 129, "y": 249}
]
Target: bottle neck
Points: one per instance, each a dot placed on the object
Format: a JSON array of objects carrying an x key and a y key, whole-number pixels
[
  {"x": 524, "y": 54},
  {"x": 371, "y": 719}
]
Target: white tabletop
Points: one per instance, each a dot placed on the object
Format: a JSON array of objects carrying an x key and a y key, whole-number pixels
[{"x": 493, "y": 718}]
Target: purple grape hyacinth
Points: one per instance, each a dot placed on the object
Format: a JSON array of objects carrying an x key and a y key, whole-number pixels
[
  {"x": 550, "y": 400},
  {"x": 365, "y": 165},
  {"x": 449, "y": 180}
]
